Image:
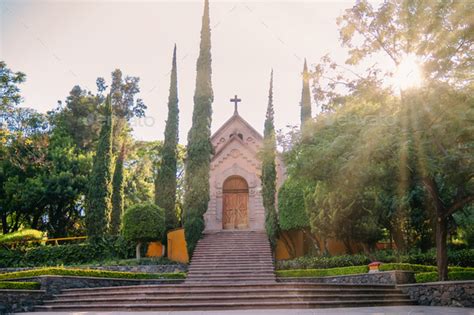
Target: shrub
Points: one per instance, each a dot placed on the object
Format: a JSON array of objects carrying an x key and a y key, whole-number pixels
[
  {"x": 21, "y": 236},
  {"x": 71, "y": 254},
  {"x": 143, "y": 223},
  {"x": 323, "y": 272},
  {"x": 407, "y": 267},
  {"x": 291, "y": 208},
  {"x": 90, "y": 273},
  {"x": 313, "y": 262},
  {"x": 452, "y": 275},
  {"x": 20, "y": 285}
]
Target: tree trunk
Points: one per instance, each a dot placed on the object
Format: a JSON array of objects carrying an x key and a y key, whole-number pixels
[
  {"x": 137, "y": 251},
  {"x": 313, "y": 239},
  {"x": 442, "y": 248}
]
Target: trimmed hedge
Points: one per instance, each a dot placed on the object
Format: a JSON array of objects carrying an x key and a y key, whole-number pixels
[
  {"x": 90, "y": 273},
  {"x": 291, "y": 209},
  {"x": 462, "y": 258},
  {"x": 419, "y": 268},
  {"x": 21, "y": 236},
  {"x": 452, "y": 276},
  {"x": 323, "y": 262},
  {"x": 20, "y": 285},
  {"x": 71, "y": 254},
  {"x": 323, "y": 272}
]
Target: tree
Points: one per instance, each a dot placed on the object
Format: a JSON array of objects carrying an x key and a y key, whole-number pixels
[
  {"x": 117, "y": 194},
  {"x": 305, "y": 98},
  {"x": 9, "y": 90},
  {"x": 99, "y": 193},
  {"x": 143, "y": 223},
  {"x": 199, "y": 148},
  {"x": 268, "y": 176},
  {"x": 166, "y": 182}
]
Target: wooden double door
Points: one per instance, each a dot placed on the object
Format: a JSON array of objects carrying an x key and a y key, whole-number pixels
[{"x": 235, "y": 203}]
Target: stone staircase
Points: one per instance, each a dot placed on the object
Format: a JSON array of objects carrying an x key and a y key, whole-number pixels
[{"x": 229, "y": 270}]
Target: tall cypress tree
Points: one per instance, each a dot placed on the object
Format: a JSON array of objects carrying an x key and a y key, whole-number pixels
[
  {"x": 199, "y": 148},
  {"x": 117, "y": 193},
  {"x": 98, "y": 203},
  {"x": 165, "y": 184},
  {"x": 305, "y": 98},
  {"x": 268, "y": 176}
]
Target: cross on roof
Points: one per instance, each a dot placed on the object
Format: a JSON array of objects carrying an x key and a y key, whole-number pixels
[{"x": 236, "y": 101}]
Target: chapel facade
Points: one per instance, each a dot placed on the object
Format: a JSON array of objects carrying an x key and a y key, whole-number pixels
[{"x": 235, "y": 187}]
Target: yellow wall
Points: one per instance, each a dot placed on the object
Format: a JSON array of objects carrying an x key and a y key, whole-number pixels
[
  {"x": 155, "y": 249},
  {"x": 177, "y": 249}
]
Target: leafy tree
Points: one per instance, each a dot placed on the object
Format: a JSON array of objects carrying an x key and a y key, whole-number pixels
[
  {"x": 143, "y": 222},
  {"x": 199, "y": 148},
  {"x": 9, "y": 90},
  {"x": 98, "y": 197},
  {"x": 117, "y": 194},
  {"x": 305, "y": 97},
  {"x": 166, "y": 181},
  {"x": 268, "y": 175}
]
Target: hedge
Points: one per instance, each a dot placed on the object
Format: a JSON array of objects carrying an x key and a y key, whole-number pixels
[
  {"x": 90, "y": 273},
  {"x": 452, "y": 276},
  {"x": 71, "y": 254},
  {"x": 21, "y": 236},
  {"x": 419, "y": 268},
  {"x": 323, "y": 272},
  {"x": 20, "y": 285},
  {"x": 291, "y": 208},
  {"x": 462, "y": 258}
]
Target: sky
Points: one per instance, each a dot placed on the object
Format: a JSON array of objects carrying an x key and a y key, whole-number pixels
[{"x": 60, "y": 44}]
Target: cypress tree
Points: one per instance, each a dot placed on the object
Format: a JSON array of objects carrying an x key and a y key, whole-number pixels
[
  {"x": 117, "y": 194},
  {"x": 98, "y": 203},
  {"x": 199, "y": 148},
  {"x": 165, "y": 184},
  {"x": 305, "y": 98},
  {"x": 268, "y": 176}
]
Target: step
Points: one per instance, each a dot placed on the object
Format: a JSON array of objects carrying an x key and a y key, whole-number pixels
[
  {"x": 221, "y": 305},
  {"x": 230, "y": 298}
]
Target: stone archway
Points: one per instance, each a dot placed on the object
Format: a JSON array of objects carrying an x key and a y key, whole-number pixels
[{"x": 235, "y": 200}]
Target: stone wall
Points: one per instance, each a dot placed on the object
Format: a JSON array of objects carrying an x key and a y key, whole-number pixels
[
  {"x": 19, "y": 300},
  {"x": 139, "y": 268},
  {"x": 55, "y": 284},
  {"x": 446, "y": 293},
  {"x": 383, "y": 277}
]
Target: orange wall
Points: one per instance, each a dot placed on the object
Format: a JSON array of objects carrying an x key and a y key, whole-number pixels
[
  {"x": 177, "y": 250},
  {"x": 155, "y": 249}
]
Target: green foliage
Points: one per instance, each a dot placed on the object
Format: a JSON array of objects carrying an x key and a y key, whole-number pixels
[
  {"x": 71, "y": 254},
  {"x": 199, "y": 147},
  {"x": 407, "y": 267},
  {"x": 166, "y": 181},
  {"x": 99, "y": 193},
  {"x": 21, "y": 236},
  {"x": 308, "y": 262},
  {"x": 143, "y": 222},
  {"x": 90, "y": 273},
  {"x": 291, "y": 207},
  {"x": 268, "y": 177},
  {"x": 423, "y": 277},
  {"x": 305, "y": 104},
  {"x": 10, "y": 92},
  {"x": 117, "y": 194},
  {"x": 323, "y": 272},
  {"x": 20, "y": 285}
]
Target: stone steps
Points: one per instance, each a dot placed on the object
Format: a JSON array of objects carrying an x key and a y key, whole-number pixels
[{"x": 231, "y": 271}]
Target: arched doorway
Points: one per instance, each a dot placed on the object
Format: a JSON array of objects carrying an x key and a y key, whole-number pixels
[{"x": 235, "y": 203}]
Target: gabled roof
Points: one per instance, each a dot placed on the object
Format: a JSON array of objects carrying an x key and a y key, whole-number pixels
[
  {"x": 233, "y": 118},
  {"x": 228, "y": 143}
]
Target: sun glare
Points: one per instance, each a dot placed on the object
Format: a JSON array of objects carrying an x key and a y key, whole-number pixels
[{"x": 408, "y": 73}]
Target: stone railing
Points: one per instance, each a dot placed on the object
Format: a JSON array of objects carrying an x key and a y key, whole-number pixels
[{"x": 446, "y": 293}]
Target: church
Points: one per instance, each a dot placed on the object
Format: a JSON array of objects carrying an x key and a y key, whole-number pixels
[{"x": 235, "y": 186}]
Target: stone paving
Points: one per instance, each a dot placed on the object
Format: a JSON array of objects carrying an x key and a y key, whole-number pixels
[{"x": 389, "y": 310}]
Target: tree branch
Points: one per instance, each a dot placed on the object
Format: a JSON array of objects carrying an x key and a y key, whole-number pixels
[{"x": 459, "y": 204}]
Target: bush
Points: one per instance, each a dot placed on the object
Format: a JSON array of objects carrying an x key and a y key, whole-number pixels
[
  {"x": 90, "y": 273},
  {"x": 21, "y": 236},
  {"x": 143, "y": 222},
  {"x": 452, "y": 275},
  {"x": 71, "y": 254},
  {"x": 20, "y": 285},
  {"x": 323, "y": 272},
  {"x": 313, "y": 262},
  {"x": 291, "y": 208}
]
